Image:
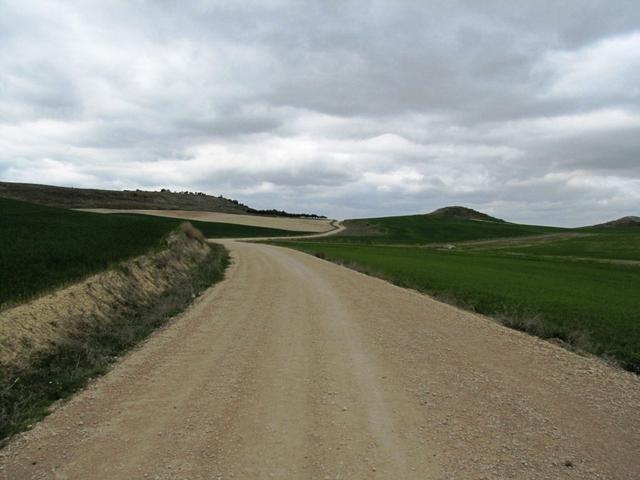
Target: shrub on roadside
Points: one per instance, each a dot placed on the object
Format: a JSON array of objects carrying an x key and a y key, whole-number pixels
[{"x": 192, "y": 232}]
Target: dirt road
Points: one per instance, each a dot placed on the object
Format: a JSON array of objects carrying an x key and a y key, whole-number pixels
[{"x": 295, "y": 368}]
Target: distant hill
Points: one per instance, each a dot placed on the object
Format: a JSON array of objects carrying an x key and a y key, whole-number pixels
[
  {"x": 464, "y": 213},
  {"x": 624, "y": 222},
  {"x": 449, "y": 224},
  {"x": 66, "y": 197}
]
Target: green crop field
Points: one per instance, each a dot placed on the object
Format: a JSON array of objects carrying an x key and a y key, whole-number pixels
[
  {"x": 422, "y": 229},
  {"x": 230, "y": 230},
  {"x": 565, "y": 288},
  {"x": 605, "y": 246},
  {"x": 43, "y": 247}
]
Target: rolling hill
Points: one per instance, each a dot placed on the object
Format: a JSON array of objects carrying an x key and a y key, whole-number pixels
[
  {"x": 449, "y": 224},
  {"x": 624, "y": 222},
  {"x": 66, "y": 197},
  {"x": 464, "y": 213}
]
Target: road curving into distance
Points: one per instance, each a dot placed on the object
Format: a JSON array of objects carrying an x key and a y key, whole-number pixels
[{"x": 296, "y": 368}]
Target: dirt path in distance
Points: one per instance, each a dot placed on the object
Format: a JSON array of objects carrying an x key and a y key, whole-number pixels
[{"x": 296, "y": 368}]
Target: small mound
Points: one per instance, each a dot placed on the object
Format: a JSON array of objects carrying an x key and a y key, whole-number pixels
[
  {"x": 464, "y": 213},
  {"x": 630, "y": 221}
]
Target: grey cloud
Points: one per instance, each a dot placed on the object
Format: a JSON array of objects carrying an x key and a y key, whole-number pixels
[
  {"x": 228, "y": 125},
  {"x": 527, "y": 110}
]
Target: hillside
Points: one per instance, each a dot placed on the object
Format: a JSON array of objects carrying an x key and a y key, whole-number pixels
[
  {"x": 464, "y": 213},
  {"x": 67, "y": 197},
  {"x": 43, "y": 247},
  {"x": 624, "y": 222},
  {"x": 450, "y": 224}
]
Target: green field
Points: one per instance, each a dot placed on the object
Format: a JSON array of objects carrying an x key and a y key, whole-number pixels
[
  {"x": 423, "y": 229},
  {"x": 230, "y": 230},
  {"x": 604, "y": 246},
  {"x": 43, "y": 247},
  {"x": 565, "y": 288}
]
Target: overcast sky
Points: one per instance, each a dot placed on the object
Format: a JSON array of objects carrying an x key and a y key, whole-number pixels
[{"x": 526, "y": 110}]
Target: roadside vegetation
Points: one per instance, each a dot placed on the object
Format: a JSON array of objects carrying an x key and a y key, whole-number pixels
[
  {"x": 42, "y": 248},
  {"x": 28, "y": 390},
  {"x": 580, "y": 290},
  {"x": 57, "y": 347}
]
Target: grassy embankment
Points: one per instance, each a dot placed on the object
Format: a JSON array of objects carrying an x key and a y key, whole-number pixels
[
  {"x": 44, "y": 248},
  {"x": 550, "y": 289}
]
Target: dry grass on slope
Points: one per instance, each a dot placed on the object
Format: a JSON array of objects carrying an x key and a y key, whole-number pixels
[{"x": 52, "y": 346}]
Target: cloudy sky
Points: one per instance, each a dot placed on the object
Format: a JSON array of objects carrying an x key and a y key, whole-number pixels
[{"x": 526, "y": 110}]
